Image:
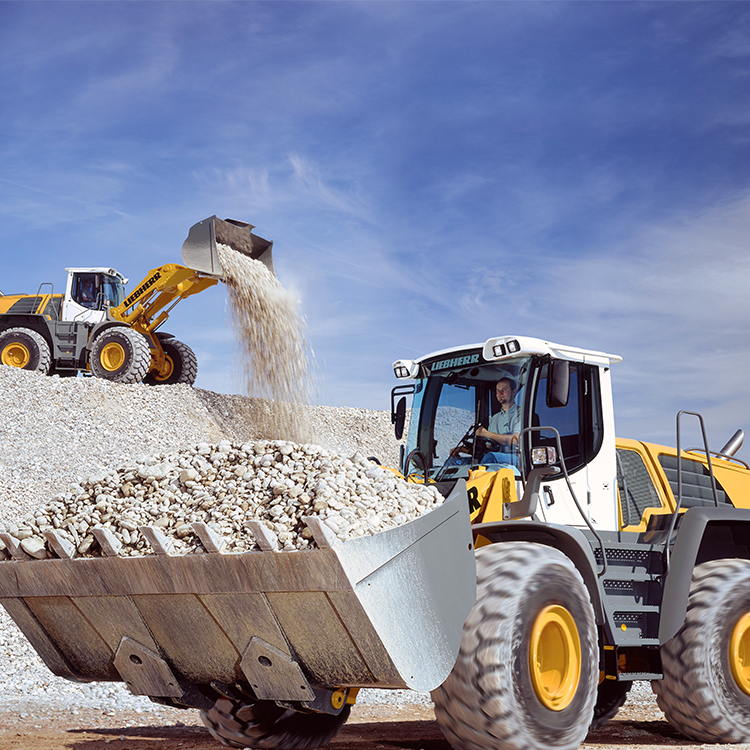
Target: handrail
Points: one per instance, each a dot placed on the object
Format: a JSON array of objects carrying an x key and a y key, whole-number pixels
[
  {"x": 38, "y": 295},
  {"x": 719, "y": 455},
  {"x": 675, "y": 515},
  {"x": 586, "y": 519}
]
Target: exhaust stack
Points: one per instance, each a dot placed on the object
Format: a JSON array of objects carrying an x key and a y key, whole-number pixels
[{"x": 734, "y": 444}]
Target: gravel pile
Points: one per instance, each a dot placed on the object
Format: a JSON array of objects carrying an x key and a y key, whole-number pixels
[
  {"x": 59, "y": 431},
  {"x": 226, "y": 486}
]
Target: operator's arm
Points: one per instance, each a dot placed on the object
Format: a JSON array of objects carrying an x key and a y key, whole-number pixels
[
  {"x": 507, "y": 439},
  {"x": 503, "y": 438}
]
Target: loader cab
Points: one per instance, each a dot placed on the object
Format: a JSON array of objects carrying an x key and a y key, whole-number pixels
[
  {"x": 90, "y": 292},
  {"x": 555, "y": 387}
]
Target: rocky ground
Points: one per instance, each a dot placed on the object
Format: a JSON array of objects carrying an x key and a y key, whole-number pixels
[
  {"x": 375, "y": 724},
  {"x": 56, "y": 432}
]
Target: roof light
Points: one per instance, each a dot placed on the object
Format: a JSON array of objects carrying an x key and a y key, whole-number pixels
[
  {"x": 505, "y": 346},
  {"x": 405, "y": 368}
]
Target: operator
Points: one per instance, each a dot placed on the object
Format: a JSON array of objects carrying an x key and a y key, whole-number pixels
[
  {"x": 505, "y": 424},
  {"x": 88, "y": 293}
]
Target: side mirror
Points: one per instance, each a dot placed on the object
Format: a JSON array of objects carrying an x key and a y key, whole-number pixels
[
  {"x": 398, "y": 410},
  {"x": 558, "y": 383},
  {"x": 400, "y": 419}
]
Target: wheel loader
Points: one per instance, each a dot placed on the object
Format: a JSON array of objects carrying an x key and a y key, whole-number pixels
[
  {"x": 564, "y": 565},
  {"x": 600, "y": 561},
  {"x": 100, "y": 329}
]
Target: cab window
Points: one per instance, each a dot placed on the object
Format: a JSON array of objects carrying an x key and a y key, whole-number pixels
[
  {"x": 113, "y": 290},
  {"x": 86, "y": 290},
  {"x": 454, "y": 417},
  {"x": 579, "y": 422}
]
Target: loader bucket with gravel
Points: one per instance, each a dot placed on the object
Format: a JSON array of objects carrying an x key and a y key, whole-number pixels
[
  {"x": 199, "y": 251},
  {"x": 296, "y": 627}
]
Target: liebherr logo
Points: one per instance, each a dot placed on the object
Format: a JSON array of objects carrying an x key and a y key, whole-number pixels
[
  {"x": 142, "y": 289},
  {"x": 470, "y": 359}
]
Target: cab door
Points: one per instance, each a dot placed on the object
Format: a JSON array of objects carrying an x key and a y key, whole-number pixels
[
  {"x": 580, "y": 424},
  {"x": 84, "y": 302}
]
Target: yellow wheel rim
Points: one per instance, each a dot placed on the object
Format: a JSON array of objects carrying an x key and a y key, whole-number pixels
[
  {"x": 555, "y": 657},
  {"x": 166, "y": 371},
  {"x": 16, "y": 355},
  {"x": 739, "y": 653},
  {"x": 112, "y": 356}
]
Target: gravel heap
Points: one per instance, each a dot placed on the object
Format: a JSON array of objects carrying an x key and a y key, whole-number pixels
[
  {"x": 59, "y": 431},
  {"x": 226, "y": 486}
]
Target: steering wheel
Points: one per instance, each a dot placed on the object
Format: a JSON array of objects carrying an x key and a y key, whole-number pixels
[
  {"x": 467, "y": 441},
  {"x": 487, "y": 445}
]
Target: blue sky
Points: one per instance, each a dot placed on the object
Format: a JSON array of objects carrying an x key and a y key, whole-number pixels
[{"x": 432, "y": 174}]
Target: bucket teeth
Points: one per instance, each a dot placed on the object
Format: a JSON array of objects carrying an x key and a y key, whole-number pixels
[
  {"x": 60, "y": 546},
  {"x": 322, "y": 534},
  {"x": 158, "y": 541},
  {"x": 110, "y": 544},
  {"x": 211, "y": 541},
  {"x": 266, "y": 539},
  {"x": 13, "y": 547}
]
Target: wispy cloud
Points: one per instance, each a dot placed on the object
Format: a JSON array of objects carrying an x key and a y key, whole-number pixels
[{"x": 431, "y": 173}]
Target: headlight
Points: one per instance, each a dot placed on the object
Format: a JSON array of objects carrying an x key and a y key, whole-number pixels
[
  {"x": 544, "y": 456},
  {"x": 405, "y": 368}
]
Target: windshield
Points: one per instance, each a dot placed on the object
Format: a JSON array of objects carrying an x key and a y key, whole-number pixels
[
  {"x": 113, "y": 290},
  {"x": 464, "y": 417}
]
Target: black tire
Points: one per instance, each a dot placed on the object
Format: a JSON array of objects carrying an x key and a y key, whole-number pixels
[
  {"x": 499, "y": 696},
  {"x": 121, "y": 355},
  {"x": 263, "y": 724},
  {"x": 25, "y": 349},
  {"x": 702, "y": 695},
  {"x": 182, "y": 362},
  {"x": 610, "y": 698}
]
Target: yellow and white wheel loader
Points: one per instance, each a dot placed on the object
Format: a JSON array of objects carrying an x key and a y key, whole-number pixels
[
  {"x": 100, "y": 328},
  {"x": 600, "y": 561}
]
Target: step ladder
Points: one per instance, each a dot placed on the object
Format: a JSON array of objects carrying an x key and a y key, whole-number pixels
[{"x": 632, "y": 593}]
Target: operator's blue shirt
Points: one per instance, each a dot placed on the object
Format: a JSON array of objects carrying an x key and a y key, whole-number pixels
[{"x": 506, "y": 423}]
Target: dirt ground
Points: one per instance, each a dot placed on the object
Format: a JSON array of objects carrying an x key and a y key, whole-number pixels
[{"x": 379, "y": 727}]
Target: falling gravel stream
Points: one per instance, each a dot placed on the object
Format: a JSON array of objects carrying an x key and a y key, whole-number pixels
[{"x": 275, "y": 359}]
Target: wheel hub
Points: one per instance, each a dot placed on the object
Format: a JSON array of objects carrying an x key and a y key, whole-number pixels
[
  {"x": 16, "y": 355},
  {"x": 739, "y": 653},
  {"x": 555, "y": 657},
  {"x": 112, "y": 356},
  {"x": 166, "y": 370}
]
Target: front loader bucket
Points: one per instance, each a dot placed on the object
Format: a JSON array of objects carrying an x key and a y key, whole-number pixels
[
  {"x": 199, "y": 249},
  {"x": 381, "y": 611}
]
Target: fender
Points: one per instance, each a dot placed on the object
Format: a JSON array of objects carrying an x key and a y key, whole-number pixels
[
  {"x": 37, "y": 323},
  {"x": 568, "y": 539},
  {"x": 704, "y": 534},
  {"x": 99, "y": 329}
]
